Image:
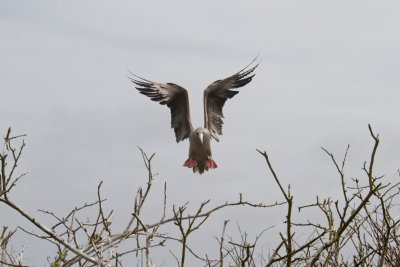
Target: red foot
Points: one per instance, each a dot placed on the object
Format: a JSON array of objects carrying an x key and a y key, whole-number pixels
[
  {"x": 211, "y": 163},
  {"x": 190, "y": 163}
]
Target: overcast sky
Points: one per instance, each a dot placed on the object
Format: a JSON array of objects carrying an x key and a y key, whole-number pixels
[{"x": 328, "y": 69}]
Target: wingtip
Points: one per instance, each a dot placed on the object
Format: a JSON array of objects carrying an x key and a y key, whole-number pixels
[
  {"x": 138, "y": 77},
  {"x": 246, "y": 70},
  {"x": 257, "y": 57}
]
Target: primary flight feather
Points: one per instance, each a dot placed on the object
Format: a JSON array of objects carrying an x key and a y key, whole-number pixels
[{"x": 176, "y": 98}]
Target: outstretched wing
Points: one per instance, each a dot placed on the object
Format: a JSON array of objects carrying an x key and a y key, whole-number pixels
[
  {"x": 216, "y": 95},
  {"x": 172, "y": 95}
]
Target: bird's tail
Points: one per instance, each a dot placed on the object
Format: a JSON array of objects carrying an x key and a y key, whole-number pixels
[
  {"x": 205, "y": 165},
  {"x": 200, "y": 165}
]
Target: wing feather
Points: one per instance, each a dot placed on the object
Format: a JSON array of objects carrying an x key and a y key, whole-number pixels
[
  {"x": 172, "y": 95},
  {"x": 218, "y": 92}
]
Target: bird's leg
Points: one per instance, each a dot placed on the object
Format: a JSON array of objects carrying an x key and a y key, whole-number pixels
[
  {"x": 190, "y": 163},
  {"x": 211, "y": 163}
]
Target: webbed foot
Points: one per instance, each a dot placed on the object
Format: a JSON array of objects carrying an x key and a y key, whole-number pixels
[
  {"x": 190, "y": 163},
  {"x": 210, "y": 163}
]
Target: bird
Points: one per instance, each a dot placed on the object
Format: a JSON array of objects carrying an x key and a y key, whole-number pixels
[{"x": 214, "y": 98}]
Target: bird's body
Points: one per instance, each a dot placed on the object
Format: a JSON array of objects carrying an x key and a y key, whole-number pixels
[
  {"x": 176, "y": 98},
  {"x": 200, "y": 155}
]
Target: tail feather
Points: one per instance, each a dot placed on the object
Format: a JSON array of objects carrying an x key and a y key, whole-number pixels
[{"x": 200, "y": 165}]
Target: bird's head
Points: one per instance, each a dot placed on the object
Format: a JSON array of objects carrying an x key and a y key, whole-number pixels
[{"x": 201, "y": 134}]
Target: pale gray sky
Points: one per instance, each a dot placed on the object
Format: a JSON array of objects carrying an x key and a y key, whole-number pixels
[{"x": 328, "y": 69}]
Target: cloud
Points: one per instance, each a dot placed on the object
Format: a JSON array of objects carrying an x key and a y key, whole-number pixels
[{"x": 327, "y": 71}]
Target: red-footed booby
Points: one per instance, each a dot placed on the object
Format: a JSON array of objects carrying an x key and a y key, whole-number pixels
[{"x": 176, "y": 98}]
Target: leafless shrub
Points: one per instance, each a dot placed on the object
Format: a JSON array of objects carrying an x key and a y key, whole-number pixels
[
  {"x": 359, "y": 229},
  {"x": 99, "y": 245}
]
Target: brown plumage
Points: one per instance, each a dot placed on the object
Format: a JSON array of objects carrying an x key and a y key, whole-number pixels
[{"x": 176, "y": 98}]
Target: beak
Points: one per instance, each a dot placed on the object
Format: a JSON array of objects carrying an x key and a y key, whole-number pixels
[{"x": 201, "y": 137}]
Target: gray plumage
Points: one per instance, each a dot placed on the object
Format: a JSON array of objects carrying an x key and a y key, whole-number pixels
[{"x": 176, "y": 98}]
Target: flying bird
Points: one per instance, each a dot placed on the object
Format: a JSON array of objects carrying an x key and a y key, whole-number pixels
[{"x": 215, "y": 96}]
